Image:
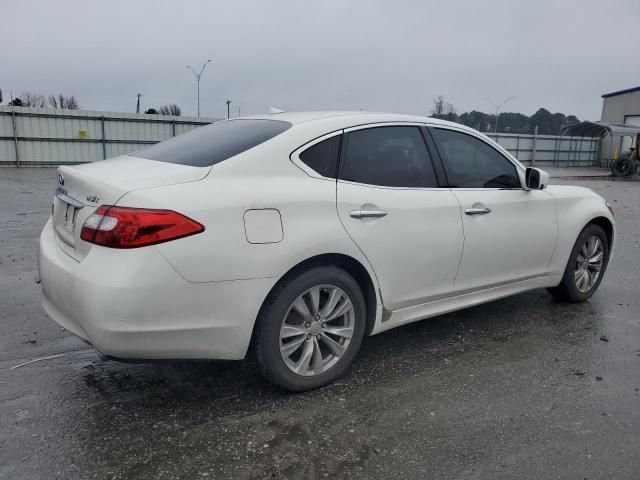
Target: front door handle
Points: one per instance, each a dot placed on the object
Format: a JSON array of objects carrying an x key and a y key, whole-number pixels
[
  {"x": 368, "y": 213},
  {"x": 477, "y": 211}
]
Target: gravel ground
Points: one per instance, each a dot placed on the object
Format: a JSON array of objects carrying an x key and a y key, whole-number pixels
[{"x": 518, "y": 388}]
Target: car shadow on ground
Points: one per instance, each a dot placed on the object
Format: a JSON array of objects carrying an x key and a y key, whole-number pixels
[
  {"x": 227, "y": 416},
  {"x": 404, "y": 350}
]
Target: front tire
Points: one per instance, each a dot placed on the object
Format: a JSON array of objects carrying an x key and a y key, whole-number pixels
[
  {"x": 586, "y": 266},
  {"x": 310, "y": 328}
]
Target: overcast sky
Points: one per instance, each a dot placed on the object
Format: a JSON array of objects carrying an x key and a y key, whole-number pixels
[{"x": 393, "y": 55}]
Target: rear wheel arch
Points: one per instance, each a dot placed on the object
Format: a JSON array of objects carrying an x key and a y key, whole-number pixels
[{"x": 345, "y": 262}]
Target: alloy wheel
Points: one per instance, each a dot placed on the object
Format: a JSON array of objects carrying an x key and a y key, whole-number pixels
[
  {"x": 316, "y": 330},
  {"x": 589, "y": 264}
]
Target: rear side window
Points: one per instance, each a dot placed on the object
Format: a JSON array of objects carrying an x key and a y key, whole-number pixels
[
  {"x": 214, "y": 143},
  {"x": 323, "y": 157},
  {"x": 388, "y": 156},
  {"x": 472, "y": 163}
]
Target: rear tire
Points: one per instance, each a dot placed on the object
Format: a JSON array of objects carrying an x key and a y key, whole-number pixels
[
  {"x": 310, "y": 329},
  {"x": 586, "y": 266}
]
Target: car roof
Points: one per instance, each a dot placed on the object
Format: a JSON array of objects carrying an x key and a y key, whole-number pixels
[
  {"x": 315, "y": 124},
  {"x": 344, "y": 119}
]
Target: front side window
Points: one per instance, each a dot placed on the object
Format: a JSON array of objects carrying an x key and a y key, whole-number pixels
[
  {"x": 323, "y": 157},
  {"x": 472, "y": 163},
  {"x": 388, "y": 156},
  {"x": 206, "y": 146}
]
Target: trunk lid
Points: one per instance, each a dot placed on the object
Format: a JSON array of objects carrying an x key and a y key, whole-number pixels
[{"x": 81, "y": 189}]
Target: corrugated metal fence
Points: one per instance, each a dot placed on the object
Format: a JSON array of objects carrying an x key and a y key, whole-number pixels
[
  {"x": 551, "y": 150},
  {"x": 41, "y": 136}
]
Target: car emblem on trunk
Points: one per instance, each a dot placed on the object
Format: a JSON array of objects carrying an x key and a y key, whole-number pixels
[
  {"x": 93, "y": 198},
  {"x": 60, "y": 179}
]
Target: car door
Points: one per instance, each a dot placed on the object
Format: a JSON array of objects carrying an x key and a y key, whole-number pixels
[
  {"x": 389, "y": 203},
  {"x": 510, "y": 233}
]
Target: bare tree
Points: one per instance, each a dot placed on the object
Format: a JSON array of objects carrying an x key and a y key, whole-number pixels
[
  {"x": 63, "y": 102},
  {"x": 32, "y": 99},
  {"x": 72, "y": 103},
  {"x": 171, "y": 109},
  {"x": 443, "y": 109}
]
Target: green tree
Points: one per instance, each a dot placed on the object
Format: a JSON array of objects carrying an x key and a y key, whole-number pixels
[
  {"x": 478, "y": 120},
  {"x": 514, "y": 123},
  {"x": 545, "y": 121},
  {"x": 510, "y": 122}
]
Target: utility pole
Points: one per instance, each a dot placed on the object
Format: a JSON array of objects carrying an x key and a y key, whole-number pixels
[
  {"x": 498, "y": 107},
  {"x": 138, "y": 104},
  {"x": 228, "y": 102},
  {"x": 238, "y": 111},
  {"x": 198, "y": 76}
]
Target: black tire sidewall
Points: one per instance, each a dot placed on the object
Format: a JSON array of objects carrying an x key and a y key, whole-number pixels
[
  {"x": 622, "y": 168},
  {"x": 270, "y": 320},
  {"x": 569, "y": 276}
]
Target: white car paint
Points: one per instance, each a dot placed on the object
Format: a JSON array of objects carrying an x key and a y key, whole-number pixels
[
  {"x": 198, "y": 297},
  {"x": 515, "y": 242},
  {"x": 263, "y": 225},
  {"x": 422, "y": 223}
]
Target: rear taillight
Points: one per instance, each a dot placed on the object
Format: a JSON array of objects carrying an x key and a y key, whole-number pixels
[{"x": 125, "y": 227}]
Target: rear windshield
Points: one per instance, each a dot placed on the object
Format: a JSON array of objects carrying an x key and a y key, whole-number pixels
[{"x": 214, "y": 143}]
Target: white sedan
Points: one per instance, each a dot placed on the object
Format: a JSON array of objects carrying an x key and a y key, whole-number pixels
[{"x": 294, "y": 235}]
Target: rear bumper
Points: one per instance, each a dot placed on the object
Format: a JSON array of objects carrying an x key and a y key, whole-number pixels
[{"x": 132, "y": 304}]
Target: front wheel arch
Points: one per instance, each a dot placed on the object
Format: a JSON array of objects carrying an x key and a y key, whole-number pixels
[
  {"x": 606, "y": 225},
  {"x": 567, "y": 289}
]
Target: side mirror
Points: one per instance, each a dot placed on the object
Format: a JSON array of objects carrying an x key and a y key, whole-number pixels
[{"x": 536, "y": 179}]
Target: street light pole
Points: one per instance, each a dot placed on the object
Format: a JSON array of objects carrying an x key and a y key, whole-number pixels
[
  {"x": 198, "y": 76},
  {"x": 498, "y": 107}
]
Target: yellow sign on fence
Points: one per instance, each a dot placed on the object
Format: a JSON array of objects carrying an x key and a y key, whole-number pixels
[{"x": 82, "y": 134}]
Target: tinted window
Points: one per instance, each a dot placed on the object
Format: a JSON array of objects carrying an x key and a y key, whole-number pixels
[
  {"x": 473, "y": 163},
  {"x": 214, "y": 143},
  {"x": 388, "y": 156},
  {"x": 323, "y": 156}
]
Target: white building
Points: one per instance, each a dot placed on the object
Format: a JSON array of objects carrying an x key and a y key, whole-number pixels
[{"x": 621, "y": 108}]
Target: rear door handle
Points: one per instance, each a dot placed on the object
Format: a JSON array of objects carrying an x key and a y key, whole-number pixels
[
  {"x": 477, "y": 211},
  {"x": 368, "y": 213}
]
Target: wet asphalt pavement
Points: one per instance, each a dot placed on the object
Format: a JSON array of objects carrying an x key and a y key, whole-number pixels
[{"x": 518, "y": 388}]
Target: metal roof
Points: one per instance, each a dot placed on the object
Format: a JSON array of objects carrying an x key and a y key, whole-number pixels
[
  {"x": 599, "y": 129},
  {"x": 621, "y": 92}
]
